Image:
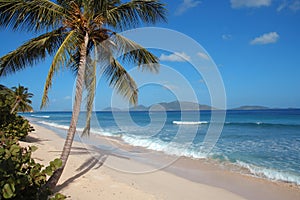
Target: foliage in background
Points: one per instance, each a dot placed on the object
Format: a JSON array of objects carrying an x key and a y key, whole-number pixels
[
  {"x": 5, "y": 102},
  {"x": 10, "y": 123},
  {"x": 18, "y": 98},
  {"x": 20, "y": 176},
  {"x": 15, "y": 126}
]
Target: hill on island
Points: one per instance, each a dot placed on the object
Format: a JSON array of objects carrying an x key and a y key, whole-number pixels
[
  {"x": 176, "y": 105},
  {"x": 251, "y": 108},
  {"x": 111, "y": 109},
  {"x": 170, "y": 106},
  {"x": 186, "y": 106}
]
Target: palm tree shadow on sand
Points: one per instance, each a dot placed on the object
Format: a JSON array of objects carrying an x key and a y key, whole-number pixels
[
  {"x": 97, "y": 159},
  {"x": 30, "y": 139}
]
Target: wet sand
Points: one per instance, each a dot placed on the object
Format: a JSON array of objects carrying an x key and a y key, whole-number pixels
[{"x": 115, "y": 170}]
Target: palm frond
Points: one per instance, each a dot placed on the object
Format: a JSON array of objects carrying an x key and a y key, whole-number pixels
[
  {"x": 90, "y": 85},
  {"x": 20, "y": 98},
  {"x": 33, "y": 15},
  {"x": 135, "y": 12},
  {"x": 97, "y": 8},
  {"x": 120, "y": 80},
  {"x": 3, "y": 88},
  {"x": 31, "y": 52},
  {"x": 133, "y": 53},
  {"x": 60, "y": 60},
  {"x": 89, "y": 7},
  {"x": 73, "y": 62},
  {"x": 66, "y": 3}
]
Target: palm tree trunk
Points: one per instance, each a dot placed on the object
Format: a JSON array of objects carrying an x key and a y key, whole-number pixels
[
  {"x": 15, "y": 106},
  {"x": 75, "y": 114}
]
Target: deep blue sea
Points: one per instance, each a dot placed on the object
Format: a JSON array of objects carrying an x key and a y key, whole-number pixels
[{"x": 265, "y": 142}]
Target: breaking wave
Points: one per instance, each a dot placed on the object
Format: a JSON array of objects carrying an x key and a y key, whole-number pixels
[
  {"x": 189, "y": 122},
  {"x": 271, "y": 174}
]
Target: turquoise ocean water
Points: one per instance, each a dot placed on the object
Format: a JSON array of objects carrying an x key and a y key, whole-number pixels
[{"x": 264, "y": 142}]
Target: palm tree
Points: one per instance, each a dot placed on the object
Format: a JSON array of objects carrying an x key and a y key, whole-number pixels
[
  {"x": 2, "y": 87},
  {"x": 20, "y": 98},
  {"x": 81, "y": 35},
  {"x": 17, "y": 98},
  {"x": 4, "y": 92}
]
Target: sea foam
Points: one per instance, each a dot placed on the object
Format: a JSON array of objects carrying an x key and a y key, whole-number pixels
[
  {"x": 170, "y": 148},
  {"x": 190, "y": 122},
  {"x": 269, "y": 173},
  {"x": 80, "y": 129},
  {"x": 40, "y": 116},
  {"x": 54, "y": 125}
]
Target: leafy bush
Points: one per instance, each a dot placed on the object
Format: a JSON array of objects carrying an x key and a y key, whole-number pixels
[
  {"x": 10, "y": 123},
  {"x": 58, "y": 196},
  {"x": 20, "y": 176},
  {"x": 15, "y": 126}
]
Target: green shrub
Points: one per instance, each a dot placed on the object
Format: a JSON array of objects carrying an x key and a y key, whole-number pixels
[
  {"x": 20, "y": 176},
  {"x": 58, "y": 196},
  {"x": 10, "y": 123},
  {"x": 15, "y": 126}
]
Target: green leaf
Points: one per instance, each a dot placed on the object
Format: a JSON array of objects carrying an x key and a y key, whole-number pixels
[
  {"x": 48, "y": 171},
  {"x": 33, "y": 148},
  {"x": 7, "y": 154},
  {"x": 2, "y": 151},
  {"x": 58, "y": 196},
  {"x": 39, "y": 180},
  {"x": 14, "y": 149},
  {"x": 57, "y": 163},
  {"x": 8, "y": 190}
]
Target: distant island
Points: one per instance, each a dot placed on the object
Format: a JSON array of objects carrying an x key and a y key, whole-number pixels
[
  {"x": 185, "y": 106},
  {"x": 171, "y": 106},
  {"x": 251, "y": 108},
  {"x": 111, "y": 109}
]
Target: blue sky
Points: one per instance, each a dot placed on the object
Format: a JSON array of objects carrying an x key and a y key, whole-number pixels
[{"x": 254, "y": 43}]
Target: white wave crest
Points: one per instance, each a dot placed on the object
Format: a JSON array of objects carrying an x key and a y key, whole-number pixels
[
  {"x": 190, "y": 122},
  {"x": 55, "y": 125},
  {"x": 94, "y": 131},
  {"x": 271, "y": 174},
  {"x": 106, "y": 133},
  {"x": 170, "y": 148},
  {"x": 40, "y": 116}
]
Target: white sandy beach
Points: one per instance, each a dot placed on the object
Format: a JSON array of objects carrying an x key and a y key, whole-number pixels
[{"x": 88, "y": 176}]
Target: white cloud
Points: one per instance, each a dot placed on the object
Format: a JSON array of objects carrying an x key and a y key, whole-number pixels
[
  {"x": 67, "y": 97},
  {"x": 282, "y": 6},
  {"x": 292, "y": 5},
  {"x": 185, "y": 5},
  {"x": 249, "y": 3},
  {"x": 203, "y": 55},
  {"x": 170, "y": 87},
  {"x": 266, "y": 38},
  {"x": 175, "y": 57},
  {"x": 226, "y": 37},
  {"x": 201, "y": 81},
  {"x": 295, "y": 6}
]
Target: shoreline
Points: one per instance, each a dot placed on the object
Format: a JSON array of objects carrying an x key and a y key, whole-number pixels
[
  {"x": 200, "y": 176},
  {"x": 88, "y": 178}
]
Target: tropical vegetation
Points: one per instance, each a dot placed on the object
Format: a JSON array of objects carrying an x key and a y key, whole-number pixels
[
  {"x": 20, "y": 176},
  {"x": 12, "y": 100},
  {"x": 21, "y": 99},
  {"x": 81, "y": 35}
]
